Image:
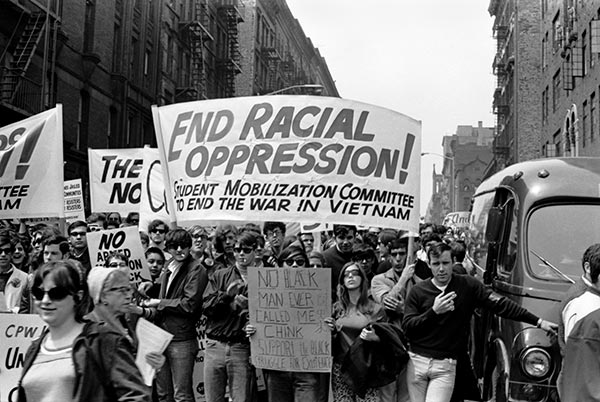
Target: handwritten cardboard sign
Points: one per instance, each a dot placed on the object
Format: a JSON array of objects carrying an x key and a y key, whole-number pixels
[
  {"x": 17, "y": 331},
  {"x": 124, "y": 240},
  {"x": 288, "y": 307}
]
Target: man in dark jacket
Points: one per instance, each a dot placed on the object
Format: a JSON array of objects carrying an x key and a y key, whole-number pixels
[{"x": 178, "y": 308}]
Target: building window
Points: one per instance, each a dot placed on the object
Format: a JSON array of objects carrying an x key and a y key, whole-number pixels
[
  {"x": 568, "y": 76},
  {"x": 546, "y": 101},
  {"x": 584, "y": 56},
  {"x": 169, "y": 55},
  {"x": 584, "y": 122},
  {"x": 555, "y": 90},
  {"x": 557, "y": 32},
  {"x": 117, "y": 48},
  {"x": 544, "y": 44},
  {"x": 88, "y": 27},
  {"x": 544, "y": 117},
  {"x": 592, "y": 116},
  {"x": 555, "y": 150},
  {"x": 595, "y": 36}
]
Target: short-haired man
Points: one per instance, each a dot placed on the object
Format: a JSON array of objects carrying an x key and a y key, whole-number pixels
[
  {"x": 581, "y": 332},
  {"x": 274, "y": 234},
  {"x": 227, "y": 354},
  {"x": 308, "y": 240},
  {"x": 77, "y": 232},
  {"x": 437, "y": 315},
  {"x": 341, "y": 252},
  {"x": 56, "y": 248},
  {"x": 459, "y": 252},
  {"x": 13, "y": 282},
  {"x": 178, "y": 308}
]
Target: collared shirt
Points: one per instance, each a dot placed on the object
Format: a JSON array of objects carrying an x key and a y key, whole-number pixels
[{"x": 173, "y": 268}]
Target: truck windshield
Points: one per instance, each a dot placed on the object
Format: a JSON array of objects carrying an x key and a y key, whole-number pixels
[{"x": 560, "y": 234}]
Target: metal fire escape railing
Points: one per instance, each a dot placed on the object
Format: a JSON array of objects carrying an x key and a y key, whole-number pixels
[
  {"x": 229, "y": 13},
  {"x": 195, "y": 34},
  {"x": 501, "y": 105}
]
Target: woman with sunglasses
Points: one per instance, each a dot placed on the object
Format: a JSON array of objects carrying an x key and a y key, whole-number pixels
[
  {"x": 353, "y": 314},
  {"x": 76, "y": 359}
]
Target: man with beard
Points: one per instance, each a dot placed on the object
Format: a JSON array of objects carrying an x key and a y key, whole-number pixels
[
  {"x": 340, "y": 253},
  {"x": 227, "y": 354},
  {"x": 79, "y": 248}
]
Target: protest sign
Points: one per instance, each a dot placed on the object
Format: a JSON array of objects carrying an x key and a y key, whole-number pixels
[
  {"x": 153, "y": 203},
  {"x": 31, "y": 167},
  {"x": 17, "y": 331},
  {"x": 291, "y": 158},
  {"x": 124, "y": 240},
  {"x": 287, "y": 306},
  {"x": 153, "y": 339},
  {"x": 74, "y": 209},
  {"x": 458, "y": 220},
  {"x": 115, "y": 184}
]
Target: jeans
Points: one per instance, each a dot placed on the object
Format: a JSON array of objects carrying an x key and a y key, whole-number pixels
[
  {"x": 228, "y": 363},
  {"x": 287, "y": 386},
  {"x": 174, "y": 380},
  {"x": 430, "y": 380}
]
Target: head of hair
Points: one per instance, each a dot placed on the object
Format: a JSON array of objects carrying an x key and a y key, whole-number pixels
[
  {"x": 365, "y": 305},
  {"x": 97, "y": 217},
  {"x": 6, "y": 238},
  {"x": 75, "y": 225},
  {"x": 317, "y": 254},
  {"x": 289, "y": 240},
  {"x": 65, "y": 273},
  {"x": 144, "y": 237},
  {"x": 156, "y": 223},
  {"x": 398, "y": 243},
  {"x": 178, "y": 237},
  {"x": 118, "y": 216},
  {"x": 386, "y": 236},
  {"x": 197, "y": 230},
  {"x": 271, "y": 225},
  {"x": 437, "y": 249},
  {"x": 60, "y": 241},
  {"x": 430, "y": 237},
  {"x": 115, "y": 255},
  {"x": 343, "y": 230},
  {"x": 251, "y": 226},
  {"x": 247, "y": 239},
  {"x": 592, "y": 257},
  {"x": 363, "y": 249},
  {"x": 154, "y": 250},
  {"x": 292, "y": 249},
  {"x": 459, "y": 251},
  {"x": 439, "y": 229},
  {"x": 130, "y": 218}
]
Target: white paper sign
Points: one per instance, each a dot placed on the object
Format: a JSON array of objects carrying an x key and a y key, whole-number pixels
[
  {"x": 74, "y": 208},
  {"x": 31, "y": 167},
  {"x": 152, "y": 339},
  {"x": 125, "y": 240},
  {"x": 290, "y": 158}
]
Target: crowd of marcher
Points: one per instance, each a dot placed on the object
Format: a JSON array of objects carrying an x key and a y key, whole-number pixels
[{"x": 405, "y": 298}]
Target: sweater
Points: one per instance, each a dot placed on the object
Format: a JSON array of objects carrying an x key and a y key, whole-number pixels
[{"x": 442, "y": 336}]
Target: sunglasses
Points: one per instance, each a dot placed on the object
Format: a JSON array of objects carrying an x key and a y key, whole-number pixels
[
  {"x": 57, "y": 293},
  {"x": 351, "y": 272},
  {"x": 6, "y": 250},
  {"x": 299, "y": 261},
  {"x": 246, "y": 250},
  {"x": 78, "y": 234},
  {"x": 361, "y": 257},
  {"x": 159, "y": 231}
]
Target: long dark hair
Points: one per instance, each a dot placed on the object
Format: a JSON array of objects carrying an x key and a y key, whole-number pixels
[{"x": 365, "y": 304}]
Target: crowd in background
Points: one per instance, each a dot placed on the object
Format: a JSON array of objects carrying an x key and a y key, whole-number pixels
[{"x": 203, "y": 271}]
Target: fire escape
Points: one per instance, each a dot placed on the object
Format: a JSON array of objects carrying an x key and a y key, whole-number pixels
[
  {"x": 195, "y": 34},
  {"x": 17, "y": 90},
  {"x": 501, "y": 105},
  {"x": 230, "y": 16}
]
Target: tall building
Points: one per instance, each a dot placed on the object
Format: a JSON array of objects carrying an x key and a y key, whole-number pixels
[
  {"x": 570, "y": 96},
  {"x": 109, "y": 61},
  {"x": 467, "y": 154},
  {"x": 517, "y": 66}
]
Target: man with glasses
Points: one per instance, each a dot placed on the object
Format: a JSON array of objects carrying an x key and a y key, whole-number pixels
[
  {"x": 12, "y": 280},
  {"x": 227, "y": 354},
  {"x": 274, "y": 233},
  {"x": 178, "y": 308},
  {"x": 157, "y": 231},
  {"x": 79, "y": 248}
]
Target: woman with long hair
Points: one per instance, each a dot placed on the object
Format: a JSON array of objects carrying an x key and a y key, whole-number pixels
[
  {"x": 353, "y": 313},
  {"x": 75, "y": 359}
]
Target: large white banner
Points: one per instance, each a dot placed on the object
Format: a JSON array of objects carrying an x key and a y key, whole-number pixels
[
  {"x": 31, "y": 167},
  {"x": 290, "y": 158},
  {"x": 153, "y": 203},
  {"x": 115, "y": 184},
  {"x": 17, "y": 331}
]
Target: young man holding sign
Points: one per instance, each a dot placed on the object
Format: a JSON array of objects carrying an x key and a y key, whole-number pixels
[{"x": 436, "y": 322}]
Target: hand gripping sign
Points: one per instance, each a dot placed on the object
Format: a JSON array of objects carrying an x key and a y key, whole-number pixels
[
  {"x": 31, "y": 167},
  {"x": 291, "y": 158}
]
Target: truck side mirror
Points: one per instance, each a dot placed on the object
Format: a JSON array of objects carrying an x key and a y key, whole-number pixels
[{"x": 494, "y": 225}]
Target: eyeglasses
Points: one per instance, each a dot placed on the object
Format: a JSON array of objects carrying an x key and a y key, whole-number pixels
[
  {"x": 299, "y": 261},
  {"x": 57, "y": 293},
  {"x": 398, "y": 253},
  {"x": 246, "y": 250},
  {"x": 94, "y": 228},
  {"x": 78, "y": 234},
  {"x": 117, "y": 265},
  {"x": 6, "y": 250},
  {"x": 351, "y": 272},
  {"x": 361, "y": 258},
  {"x": 200, "y": 237},
  {"x": 275, "y": 232},
  {"x": 159, "y": 231},
  {"x": 121, "y": 289}
]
